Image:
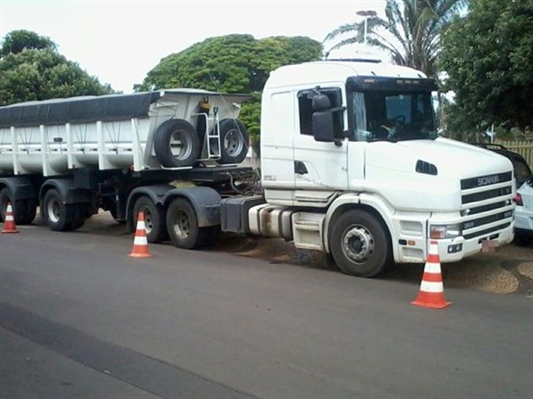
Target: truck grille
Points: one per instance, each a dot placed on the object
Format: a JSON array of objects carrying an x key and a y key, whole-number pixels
[{"x": 487, "y": 205}]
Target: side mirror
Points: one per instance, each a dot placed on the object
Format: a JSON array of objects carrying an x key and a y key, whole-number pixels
[{"x": 323, "y": 126}]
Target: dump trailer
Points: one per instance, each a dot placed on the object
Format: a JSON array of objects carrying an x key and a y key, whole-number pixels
[
  {"x": 120, "y": 153},
  {"x": 351, "y": 165}
]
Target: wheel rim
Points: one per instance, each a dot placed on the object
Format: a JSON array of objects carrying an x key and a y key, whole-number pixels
[
  {"x": 180, "y": 145},
  {"x": 182, "y": 225},
  {"x": 53, "y": 211},
  {"x": 148, "y": 219},
  {"x": 358, "y": 244},
  {"x": 233, "y": 142}
]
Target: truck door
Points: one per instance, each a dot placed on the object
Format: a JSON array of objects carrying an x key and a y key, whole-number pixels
[{"x": 319, "y": 166}]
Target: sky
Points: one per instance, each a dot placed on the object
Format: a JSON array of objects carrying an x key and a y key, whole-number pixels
[{"x": 121, "y": 41}]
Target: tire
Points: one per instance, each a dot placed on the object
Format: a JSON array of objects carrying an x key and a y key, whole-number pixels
[
  {"x": 522, "y": 240},
  {"x": 176, "y": 144},
  {"x": 24, "y": 211},
  {"x": 153, "y": 219},
  {"x": 182, "y": 225},
  {"x": 5, "y": 198},
  {"x": 77, "y": 214},
  {"x": 114, "y": 214},
  {"x": 57, "y": 215},
  {"x": 27, "y": 211},
  {"x": 360, "y": 244},
  {"x": 234, "y": 140}
]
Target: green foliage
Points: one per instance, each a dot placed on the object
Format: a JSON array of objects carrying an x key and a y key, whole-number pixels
[
  {"x": 232, "y": 64},
  {"x": 16, "y": 41},
  {"x": 488, "y": 56},
  {"x": 410, "y": 32},
  {"x": 39, "y": 73}
]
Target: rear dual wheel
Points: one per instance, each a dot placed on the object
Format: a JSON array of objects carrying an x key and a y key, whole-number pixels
[
  {"x": 60, "y": 216},
  {"x": 183, "y": 229},
  {"x": 154, "y": 221},
  {"x": 24, "y": 210}
]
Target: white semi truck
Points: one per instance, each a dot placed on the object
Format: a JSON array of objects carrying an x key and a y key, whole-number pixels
[{"x": 351, "y": 165}]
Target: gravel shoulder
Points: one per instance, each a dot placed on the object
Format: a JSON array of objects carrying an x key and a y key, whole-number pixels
[{"x": 506, "y": 270}]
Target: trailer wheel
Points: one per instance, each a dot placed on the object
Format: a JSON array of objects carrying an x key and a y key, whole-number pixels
[
  {"x": 5, "y": 198},
  {"x": 29, "y": 213},
  {"x": 24, "y": 211},
  {"x": 234, "y": 140},
  {"x": 360, "y": 245},
  {"x": 182, "y": 225},
  {"x": 77, "y": 214},
  {"x": 176, "y": 144},
  {"x": 56, "y": 214},
  {"x": 153, "y": 219}
]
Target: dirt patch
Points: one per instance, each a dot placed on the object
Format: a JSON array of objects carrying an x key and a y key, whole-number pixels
[{"x": 507, "y": 270}]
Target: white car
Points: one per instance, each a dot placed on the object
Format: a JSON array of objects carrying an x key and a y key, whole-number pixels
[{"x": 524, "y": 212}]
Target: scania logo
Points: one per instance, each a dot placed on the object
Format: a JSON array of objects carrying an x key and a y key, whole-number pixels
[{"x": 486, "y": 180}]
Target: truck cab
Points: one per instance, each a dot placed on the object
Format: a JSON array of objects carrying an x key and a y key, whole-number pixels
[{"x": 359, "y": 138}]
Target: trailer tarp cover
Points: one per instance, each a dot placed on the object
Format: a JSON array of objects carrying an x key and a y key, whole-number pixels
[{"x": 84, "y": 109}]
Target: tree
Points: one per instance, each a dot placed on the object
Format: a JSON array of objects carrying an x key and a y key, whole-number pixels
[
  {"x": 232, "y": 64},
  {"x": 34, "y": 70},
  {"x": 488, "y": 56},
  {"x": 16, "y": 41},
  {"x": 410, "y": 32}
]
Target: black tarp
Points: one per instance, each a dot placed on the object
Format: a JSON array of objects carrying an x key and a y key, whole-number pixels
[{"x": 85, "y": 109}]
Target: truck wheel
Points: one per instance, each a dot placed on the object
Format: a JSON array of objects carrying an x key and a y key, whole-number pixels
[
  {"x": 360, "y": 244},
  {"x": 176, "y": 144},
  {"x": 24, "y": 211},
  {"x": 5, "y": 198},
  {"x": 77, "y": 214},
  {"x": 153, "y": 219},
  {"x": 27, "y": 212},
  {"x": 55, "y": 212},
  {"x": 234, "y": 140},
  {"x": 182, "y": 225}
]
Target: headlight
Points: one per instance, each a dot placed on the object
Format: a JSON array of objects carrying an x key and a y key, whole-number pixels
[{"x": 445, "y": 231}]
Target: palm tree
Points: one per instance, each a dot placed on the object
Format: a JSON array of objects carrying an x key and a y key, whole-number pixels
[{"x": 409, "y": 33}]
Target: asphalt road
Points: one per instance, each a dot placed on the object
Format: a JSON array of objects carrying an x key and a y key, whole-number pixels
[{"x": 79, "y": 318}]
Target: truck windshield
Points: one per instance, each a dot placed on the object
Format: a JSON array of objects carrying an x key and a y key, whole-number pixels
[{"x": 393, "y": 115}]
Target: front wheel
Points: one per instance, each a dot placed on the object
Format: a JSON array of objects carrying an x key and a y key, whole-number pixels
[{"x": 360, "y": 244}]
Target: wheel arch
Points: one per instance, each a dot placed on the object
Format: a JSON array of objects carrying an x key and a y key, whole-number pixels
[
  {"x": 20, "y": 187},
  {"x": 204, "y": 200},
  {"x": 69, "y": 193},
  {"x": 373, "y": 205}
]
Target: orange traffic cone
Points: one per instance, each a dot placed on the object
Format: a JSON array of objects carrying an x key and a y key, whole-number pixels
[
  {"x": 431, "y": 289},
  {"x": 9, "y": 222},
  {"x": 140, "y": 242}
]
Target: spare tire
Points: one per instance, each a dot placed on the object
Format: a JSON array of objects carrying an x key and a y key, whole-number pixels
[
  {"x": 176, "y": 143},
  {"x": 234, "y": 140}
]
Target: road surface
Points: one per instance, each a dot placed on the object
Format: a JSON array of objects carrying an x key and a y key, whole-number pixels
[{"x": 80, "y": 318}]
